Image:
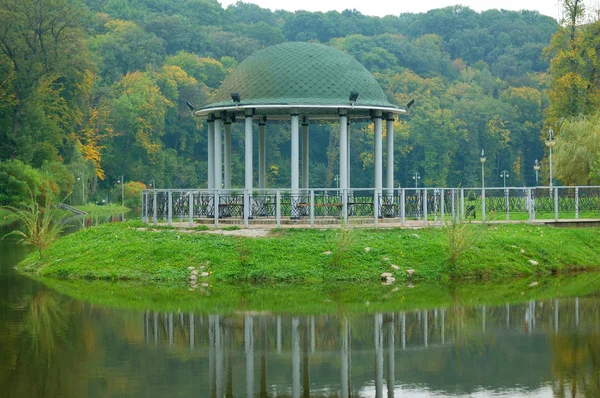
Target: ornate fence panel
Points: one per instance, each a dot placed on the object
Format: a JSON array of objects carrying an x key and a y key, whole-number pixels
[
  {"x": 589, "y": 202},
  {"x": 204, "y": 204},
  {"x": 360, "y": 203},
  {"x": 231, "y": 205},
  {"x": 413, "y": 204},
  {"x": 263, "y": 205}
]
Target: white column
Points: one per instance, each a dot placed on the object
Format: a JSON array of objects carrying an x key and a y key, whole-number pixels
[
  {"x": 227, "y": 153},
  {"x": 262, "y": 153},
  {"x": 378, "y": 151},
  {"x": 348, "y": 153},
  {"x": 249, "y": 347},
  {"x": 211, "y": 152},
  {"x": 295, "y": 358},
  {"x": 343, "y": 150},
  {"x": 295, "y": 184},
  {"x": 248, "y": 152},
  {"x": 304, "y": 152},
  {"x": 390, "y": 153},
  {"x": 218, "y": 154}
]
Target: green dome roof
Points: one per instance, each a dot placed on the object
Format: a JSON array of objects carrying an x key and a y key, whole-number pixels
[{"x": 300, "y": 74}]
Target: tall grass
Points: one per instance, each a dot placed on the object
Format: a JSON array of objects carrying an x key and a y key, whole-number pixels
[
  {"x": 461, "y": 239},
  {"x": 41, "y": 224},
  {"x": 344, "y": 242}
]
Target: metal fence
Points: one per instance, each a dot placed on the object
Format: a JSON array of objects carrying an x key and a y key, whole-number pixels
[{"x": 427, "y": 205}]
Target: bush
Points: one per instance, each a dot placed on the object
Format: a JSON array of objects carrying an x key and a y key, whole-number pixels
[
  {"x": 18, "y": 180},
  {"x": 133, "y": 194}
]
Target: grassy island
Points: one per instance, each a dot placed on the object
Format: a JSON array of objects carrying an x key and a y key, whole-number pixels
[{"x": 137, "y": 252}]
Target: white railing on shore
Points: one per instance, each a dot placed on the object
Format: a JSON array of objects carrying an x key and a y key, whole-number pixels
[{"x": 427, "y": 205}]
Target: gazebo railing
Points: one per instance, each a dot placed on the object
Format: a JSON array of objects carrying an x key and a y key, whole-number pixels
[{"x": 426, "y": 205}]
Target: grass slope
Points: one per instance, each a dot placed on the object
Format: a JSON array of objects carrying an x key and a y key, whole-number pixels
[{"x": 121, "y": 251}]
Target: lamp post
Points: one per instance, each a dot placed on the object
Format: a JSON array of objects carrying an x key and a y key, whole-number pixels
[
  {"x": 504, "y": 174},
  {"x": 536, "y": 167},
  {"x": 82, "y": 178},
  {"x": 337, "y": 181},
  {"x": 550, "y": 142},
  {"x": 417, "y": 177},
  {"x": 482, "y": 160},
  {"x": 122, "y": 182}
]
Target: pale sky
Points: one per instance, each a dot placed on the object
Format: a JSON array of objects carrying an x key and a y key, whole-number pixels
[{"x": 396, "y": 7}]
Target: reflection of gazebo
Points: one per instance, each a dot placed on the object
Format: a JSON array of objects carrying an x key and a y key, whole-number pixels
[{"x": 303, "y": 83}]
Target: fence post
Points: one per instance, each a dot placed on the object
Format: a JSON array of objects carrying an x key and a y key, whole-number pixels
[
  {"x": 216, "y": 208},
  {"x": 529, "y": 204},
  {"x": 403, "y": 206},
  {"x": 424, "y": 207},
  {"x": 376, "y": 207},
  {"x": 312, "y": 207},
  {"x": 442, "y": 204},
  {"x": 482, "y": 205},
  {"x": 577, "y": 203},
  {"x": 462, "y": 204},
  {"x": 191, "y": 206},
  {"x": 170, "y": 208},
  {"x": 533, "y": 195},
  {"x": 154, "y": 209},
  {"x": 145, "y": 208},
  {"x": 246, "y": 208},
  {"x": 278, "y": 208},
  {"x": 555, "y": 203},
  {"x": 506, "y": 203}
]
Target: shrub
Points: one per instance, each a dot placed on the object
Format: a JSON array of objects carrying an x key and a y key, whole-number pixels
[{"x": 18, "y": 180}]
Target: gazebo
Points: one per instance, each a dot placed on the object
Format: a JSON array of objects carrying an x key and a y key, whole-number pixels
[{"x": 299, "y": 83}]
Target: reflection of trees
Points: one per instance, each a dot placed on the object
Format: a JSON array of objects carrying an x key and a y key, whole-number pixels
[
  {"x": 37, "y": 348},
  {"x": 576, "y": 354}
]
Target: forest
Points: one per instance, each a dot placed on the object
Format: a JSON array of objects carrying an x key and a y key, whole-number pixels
[{"x": 92, "y": 91}]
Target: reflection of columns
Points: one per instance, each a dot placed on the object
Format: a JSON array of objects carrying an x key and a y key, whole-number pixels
[
  {"x": 425, "y": 328},
  {"x": 146, "y": 326},
  {"x": 218, "y": 154},
  {"x": 443, "y": 325},
  {"x": 391, "y": 358},
  {"x": 227, "y": 153},
  {"x": 155, "y": 328},
  {"x": 211, "y": 152},
  {"x": 312, "y": 334},
  {"x": 483, "y": 318},
  {"x": 248, "y": 152},
  {"x": 263, "y": 356},
  {"x": 378, "y": 355},
  {"x": 262, "y": 153},
  {"x": 404, "y": 330},
  {"x": 249, "y": 345},
  {"x": 378, "y": 151},
  {"x": 295, "y": 154},
  {"x": 305, "y": 181},
  {"x": 295, "y": 358},
  {"x": 170, "y": 329},
  {"x": 192, "y": 340},
  {"x": 306, "y": 362},
  {"x": 389, "y": 130},
  {"x": 577, "y": 311},
  {"x": 556, "y": 315},
  {"x": 279, "y": 334},
  {"x": 219, "y": 356},
  {"x": 507, "y": 315},
  {"x": 228, "y": 365},
  {"x": 211, "y": 355},
  {"x": 345, "y": 365}
]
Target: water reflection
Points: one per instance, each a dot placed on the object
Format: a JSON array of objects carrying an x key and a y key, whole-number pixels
[{"x": 537, "y": 347}]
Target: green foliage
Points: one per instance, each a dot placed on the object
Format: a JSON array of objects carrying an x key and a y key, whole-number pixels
[
  {"x": 580, "y": 140},
  {"x": 461, "y": 239},
  {"x": 41, "y": 223},
  {"x": 18, "y": 180}
]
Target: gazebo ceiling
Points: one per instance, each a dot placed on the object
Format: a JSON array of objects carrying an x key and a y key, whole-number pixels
[{"x": 311, "y": 77}]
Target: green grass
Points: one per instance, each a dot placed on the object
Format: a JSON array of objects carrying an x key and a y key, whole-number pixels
[
  {"x": 124, "y": 251},
  {"x": 105, "y": 210},
  {"x": 330, "y": 298}
]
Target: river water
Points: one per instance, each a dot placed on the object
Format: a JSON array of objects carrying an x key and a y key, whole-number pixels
[{"x": 52, "y": 345}]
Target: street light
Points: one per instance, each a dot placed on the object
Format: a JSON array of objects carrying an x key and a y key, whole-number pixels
[
  {"x": 504, "y": 174},
  {"x": 550, "y": 142},
  {"x": 536, "y": 167},
  {"x": 81, "y": 177},
  {"x": 417, "y": 177},
  {"x": 122, "y": 182},
  {"x": 482, "y": 159}
]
